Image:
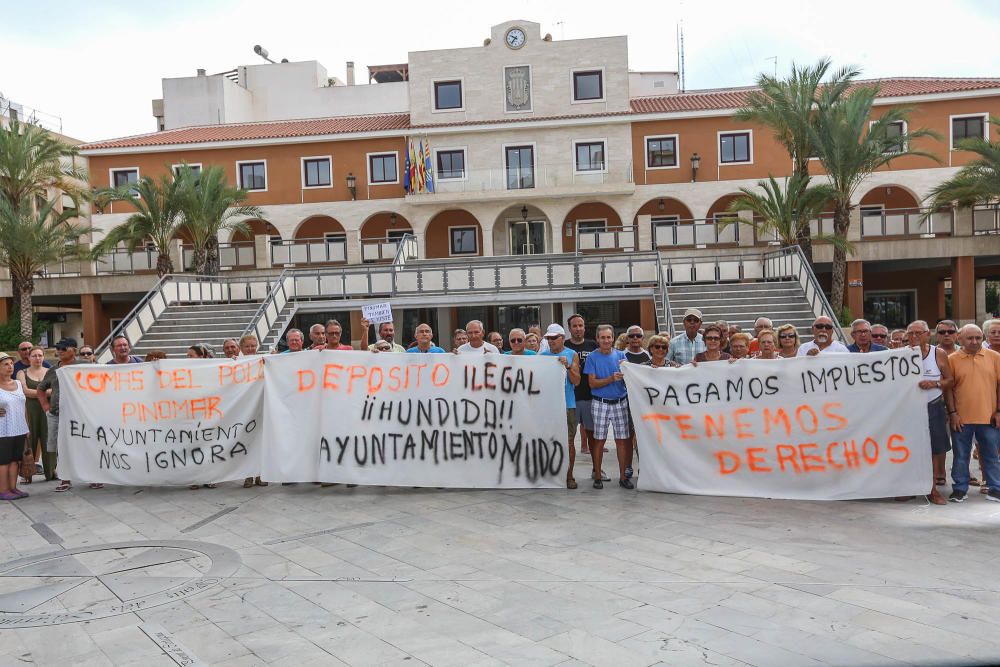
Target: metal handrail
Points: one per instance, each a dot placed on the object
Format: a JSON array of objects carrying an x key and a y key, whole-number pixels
[
  {"x": 156, "y": 290},
  {"x": 818, "y": 296},
  {"x": 402, "y": 246},
  {"x": 661, "y": 277},
  {"x": 272, "y": 292}
]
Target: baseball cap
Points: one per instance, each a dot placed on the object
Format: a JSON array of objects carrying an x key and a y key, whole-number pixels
[
  {"x": 693, "y": 311},
  {"x": 555, "y": 330},
  {"x": 66, "y": 342}
]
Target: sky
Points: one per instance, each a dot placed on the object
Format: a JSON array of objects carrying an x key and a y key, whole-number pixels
[{"x": 97, "y": 64}]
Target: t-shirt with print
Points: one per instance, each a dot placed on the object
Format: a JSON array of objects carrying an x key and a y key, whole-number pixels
[{"x": 583, "y": 350}]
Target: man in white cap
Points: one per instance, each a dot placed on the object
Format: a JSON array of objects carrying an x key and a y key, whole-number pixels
[
  {"x": 684, "y": 346},
  {"x": 556, "y": 337}
]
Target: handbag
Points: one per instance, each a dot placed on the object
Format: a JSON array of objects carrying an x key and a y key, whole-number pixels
[{"x": 28, "y": 465}]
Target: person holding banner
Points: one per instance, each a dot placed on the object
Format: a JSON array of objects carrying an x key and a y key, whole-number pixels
[
  {"x": 333, "y": 333},
  {"x": 556, "y": 337},
  {"x": 517, "y": 339},
  {"x": 476, "y": 344},
  {"x": 974, "y": 411},
  {"x": 294, "y": 340},
  {"x": 767, "y": 345},
  {"x": 861, "y": 333},
  {"x": 822, "y": 342},
  {"x": 317, "y": 337},
  {"x": 459, "y": 337},
  {"x": 788, "y": 341},
  {"x": 713, "y": 346},
  {"x": 48, "y": 396},
  {"x": 248, "y": 345},
  {"x": 386, "y": 332},
  {"x": 684, "y": 346},
  {"x": 937, "y": 380},
  {"x": 230, "y": 349},
  {"x": 120, "y": 349},
  {"x": 739, "y": 346},
  {"x": 424, "y": 336},
  {"x": 610, "y": 405},
  {"x": 947, "y": 336},
  {"x": 13, "y": 429}
]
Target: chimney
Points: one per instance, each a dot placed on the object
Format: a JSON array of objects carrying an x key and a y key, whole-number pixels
[
  {"x": 350, "y": 72},
  {"x": 201, "y": 72}
]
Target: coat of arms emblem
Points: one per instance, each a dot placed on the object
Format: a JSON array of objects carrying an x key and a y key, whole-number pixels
[{"x": 518, "y": 88}]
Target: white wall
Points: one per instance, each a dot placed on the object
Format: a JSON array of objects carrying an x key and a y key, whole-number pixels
[
  {"x": 482, "y": 70},
  {"x": 647, "y": 84}
]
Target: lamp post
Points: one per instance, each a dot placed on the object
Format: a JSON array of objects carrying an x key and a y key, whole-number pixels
[
  {"x": 352, "y": 185},
  {"x": 695, "y": 163},
  {"x": 392, "y": 219},
  {"x": 524, "y": 213}
]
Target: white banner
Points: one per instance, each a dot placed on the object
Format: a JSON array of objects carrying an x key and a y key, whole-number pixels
[
  {"x": 440, "y": 420},
  {"x": 828, "y": 427},
  {"x": 170, "y": 422}
]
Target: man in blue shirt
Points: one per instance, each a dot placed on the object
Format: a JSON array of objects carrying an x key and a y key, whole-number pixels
[
  {"x": 610, "y": 405},
  {"x": 516, "y": 338},
  {"x": 556, "y": 337},
  {"x": 424, "y": 336},
  {"x": 861, "y": 334}
]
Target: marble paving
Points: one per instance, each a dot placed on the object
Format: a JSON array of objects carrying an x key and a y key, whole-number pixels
[{"x": 303, "y": 575}]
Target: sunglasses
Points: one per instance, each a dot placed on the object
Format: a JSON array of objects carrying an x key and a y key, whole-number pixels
[
  {"x": 792, "y": 336},
  {"x": 86, "y": 354},
  {"x": 880, "y": 335},
  {"x": 24, "y": 349},
  {"x": 657, "y": 347},
  {"x": 947, "y": 332},
  {"x": 712, "y": 338},
  {"x": 635, "y": 335},
  {"x": 517, "y": 340},
  {"x": 691, "y": 318},
  {"x": 823, "y": 326}
]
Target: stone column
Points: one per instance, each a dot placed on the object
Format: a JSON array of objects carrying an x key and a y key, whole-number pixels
[
  {"x": 854, "y": 230},
  {"x": 963, "y": 289},
  {"x": 487, "y": 249},
  {"x": 981, "y": 300},
  {"x": 644, "y": 233},
  {"x": 568, "y": 308},
  {"x": 546, "y": 315},
  {"x": 856, "y": 288},
  {"x": 262, "y": 251},
  {"x": 746, "y": 229},
  {"x": 88, "y": 266},
  {"x": 445, "y": 326},
  {"x": 354, "y": 247},
  {"x": 963, "y": 222},
  {"x": 96, "y": 326},
  {"x": 177, "y": 255}
]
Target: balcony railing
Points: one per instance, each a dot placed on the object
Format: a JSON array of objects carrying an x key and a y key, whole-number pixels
[
  {"x": 541, "y": 176},
  {"x": 906, "y": 223},
  {"x": 986, "y": 219},
  {"x": 379, "y": 249},
  {"x": 696, "y": 233},
  {"x": 240, "y": 255},
  {"x": 610, "y": 239},
  {"x": 309, "y": 251},
  {"x": 125, "y": 262}
]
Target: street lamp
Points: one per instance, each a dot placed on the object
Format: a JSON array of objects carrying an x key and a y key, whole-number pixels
[
  {"x": 392, "y": 220},
  {"x": 524, "y": 213},
  {"x": 695, "y": 163},
  {"x": 352, "y": 185}
]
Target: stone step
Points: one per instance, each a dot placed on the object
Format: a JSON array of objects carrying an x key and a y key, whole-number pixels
[{"x": 194, "y": 307}]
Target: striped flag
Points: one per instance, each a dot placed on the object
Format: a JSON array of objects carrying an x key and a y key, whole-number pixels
[
  {"x": 428, "y": 167},
  {"x": 407, "y": 183},
  {"x": 421, "y": 171},
  {"x": 413, "y": 170}
]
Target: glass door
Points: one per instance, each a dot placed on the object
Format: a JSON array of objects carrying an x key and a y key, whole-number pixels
[
  {"x": 527, "y": 237},
  {"x": 520, "y": 167}
]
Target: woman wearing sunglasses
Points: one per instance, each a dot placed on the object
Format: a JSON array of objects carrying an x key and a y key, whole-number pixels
[
  {"x": 658, "y": 348},
  {"x": 788, "y": 341},
  {"x": 713, "y": 346}
]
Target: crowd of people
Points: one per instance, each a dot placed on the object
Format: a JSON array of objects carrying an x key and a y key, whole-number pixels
[{"x": 961, "y": 381}]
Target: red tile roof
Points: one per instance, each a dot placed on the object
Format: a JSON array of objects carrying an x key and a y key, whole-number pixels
[
  {"x": 731, "y": 98},
  {"x": 693, "y": 101},
  {"x": 264, "y": 130}
]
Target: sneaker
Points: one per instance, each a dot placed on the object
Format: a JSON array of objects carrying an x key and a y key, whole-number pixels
[
  {"x": 958, "y": 496},
  {"x": 626, "y": 483},
  {"x": 628, "y": 472},
  {"x": 604, "y": 476},
  {"x": 993, "y": 495},
  {"x": 598, "y": 484},
  {"x": 96, "y": 486}
]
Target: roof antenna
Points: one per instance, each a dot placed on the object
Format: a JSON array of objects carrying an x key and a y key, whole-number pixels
[
  {"x": 775, "y": 59},
  {"x": 562, "y": 29},
  {"x": 680, "y": 55}
]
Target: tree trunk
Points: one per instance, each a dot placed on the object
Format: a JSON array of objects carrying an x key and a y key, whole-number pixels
[
  {"x": 212, "y": 256},
  {"x": 804, "y": 240},
  {"x": 841, "y": 222},
  {"x": 198, "y": 260},
  {"x": 25, "y": 288},
  {"x": 164, "y": 264}
]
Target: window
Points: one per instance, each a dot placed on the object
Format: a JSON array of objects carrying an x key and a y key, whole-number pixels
[
  {"x": 584, "y": 226},
  {"x": 895, "y": 131},
  {"x": 520, "y": 167},
  {"x": 590, "y": 156},
  {"x": 316, "y": 172},
  {"x": 661, "y": 152},
  {"x": 396, "y": 234},
  {"x": 382, "y": 168},
  {"x": 447, "y": 95},
  {"x": 120, "y": 177},
  {"x": 893, "y": 309},
  {"x": 667, "y": 231},
  {"x": 588, "y": 86},
  {"x": 464, "y": 241},
  {"x": 252, "y": 175},
  {"x": 967, "y": 127},
  {"x": 195, "y": 169},
  {"x": 734, "y": 147},
  {"x": 451, "y": 165}
]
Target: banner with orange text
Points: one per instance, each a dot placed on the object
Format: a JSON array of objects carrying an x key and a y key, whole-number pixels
[
  {"x": 441, "y": 420},
  {"x": 827, "y": 427},
  {"x": 169, "y": 422}
]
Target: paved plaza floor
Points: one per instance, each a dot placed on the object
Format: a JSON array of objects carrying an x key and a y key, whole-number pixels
[{"x": 303, "y": 575}]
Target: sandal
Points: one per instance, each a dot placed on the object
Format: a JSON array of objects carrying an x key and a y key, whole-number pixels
[
  {"x": 7, "y": 495},
  {"x": 259, "y": 482},
  {"x": 973, "y": 481},
  {"x": 248, "y": 483},
  {"x": 63, "y": 486},
  {"x": 570, "y": 483},
  {"x": 211, "y": 486},
  {"x": 940, "y": 481},
  {"x": 97, "y": 486},
  {"x": 984, "y": 489},
  {"x": 194, "y": 487}
]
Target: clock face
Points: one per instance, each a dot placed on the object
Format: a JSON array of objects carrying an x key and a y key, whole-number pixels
[{"x": 515, "y": 38}]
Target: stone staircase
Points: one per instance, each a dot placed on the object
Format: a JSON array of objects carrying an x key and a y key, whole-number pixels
[
  {"x": 180, "y": 326},
  {"x": 782, "y": 301}
]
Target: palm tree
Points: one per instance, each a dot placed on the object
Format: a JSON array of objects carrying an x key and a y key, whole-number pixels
[
  {"x": 851, "y": 146},
  {"x": 210, "y": 206},
  {"x": 30, "y": 239},
  {"x": 977, "y": 182},
  {"x": 32, "y": 160},
  {"x": 783, "y": 209},
  {"x": 788, "y": 107},
  {"x": 158, "y": 217}
]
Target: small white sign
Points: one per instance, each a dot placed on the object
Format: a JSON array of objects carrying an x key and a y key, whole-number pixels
[{"x": 377, "y": 313}]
